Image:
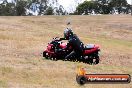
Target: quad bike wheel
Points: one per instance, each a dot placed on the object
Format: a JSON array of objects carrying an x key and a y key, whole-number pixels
[
  {"x": 92, "y": 60},
  {"x": 54, "y": 59},
  {"x": 96, "y": 59},
  {"x": 45, "y": 55}
]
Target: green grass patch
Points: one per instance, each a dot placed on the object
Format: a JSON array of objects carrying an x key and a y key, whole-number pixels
[
  {"x": 110, "y": 43},
  {"x": 5, "y": 70},
  {"x": 3, "y": 84}
]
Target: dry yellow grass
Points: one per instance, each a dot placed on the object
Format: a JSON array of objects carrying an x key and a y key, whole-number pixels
[{"x": 22, "y": 39}]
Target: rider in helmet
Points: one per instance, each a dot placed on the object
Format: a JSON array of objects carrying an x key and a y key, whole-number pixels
[{"x": 74, "y": 42}]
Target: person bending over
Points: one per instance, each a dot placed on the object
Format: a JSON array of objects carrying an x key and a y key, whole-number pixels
[{"x": 74, "y": 42}]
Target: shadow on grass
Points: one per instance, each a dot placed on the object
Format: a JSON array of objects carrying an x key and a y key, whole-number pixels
[{"x": 72, "y": 60}]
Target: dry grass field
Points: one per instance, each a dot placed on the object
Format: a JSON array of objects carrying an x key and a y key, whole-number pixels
[{"x": 22, "y": 39}]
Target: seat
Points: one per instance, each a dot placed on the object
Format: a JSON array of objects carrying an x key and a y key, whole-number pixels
[{"x": 89, "y": 46}]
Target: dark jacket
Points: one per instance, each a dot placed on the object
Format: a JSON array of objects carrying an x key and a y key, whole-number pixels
[{"x": 75, "y": 43}]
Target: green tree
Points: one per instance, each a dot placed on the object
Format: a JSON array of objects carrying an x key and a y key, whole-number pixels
[
  {"x": 13, "y": 9},
  {"x": 118, "y": 4},
  {"x": 87, "y": 7},
  {"x": 21, "y": 7},
  {"x": 7, "y": 9},
  {"x": 103, "y": 6},
  {"x": 49, "y": 11}
]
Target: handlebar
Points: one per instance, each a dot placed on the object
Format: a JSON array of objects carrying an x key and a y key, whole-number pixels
[{"x": 56, "y": 39}]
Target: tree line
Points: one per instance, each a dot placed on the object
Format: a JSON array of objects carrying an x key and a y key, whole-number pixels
[
  {"x": 31, "y": 7},
  {"x": 52, "y": 7},
  {"x": 103, "y": 7}
]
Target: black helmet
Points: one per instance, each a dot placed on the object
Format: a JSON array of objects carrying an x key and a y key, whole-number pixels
[{"x": 67, "y": 33}]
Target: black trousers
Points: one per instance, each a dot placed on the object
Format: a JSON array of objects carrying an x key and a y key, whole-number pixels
[{"x": 73, "y": 55}]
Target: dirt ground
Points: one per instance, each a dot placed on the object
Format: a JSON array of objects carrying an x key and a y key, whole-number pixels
[{"x": 23, "y": 39}]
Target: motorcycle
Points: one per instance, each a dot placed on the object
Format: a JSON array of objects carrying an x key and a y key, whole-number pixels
[{"x": 56, "y": 51}]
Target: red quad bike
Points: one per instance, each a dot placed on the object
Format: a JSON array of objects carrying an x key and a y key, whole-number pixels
[{"x": 56, "y": 51}]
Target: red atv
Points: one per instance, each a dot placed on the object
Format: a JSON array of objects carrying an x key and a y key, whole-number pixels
[{"x": 56, "y": 50}]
